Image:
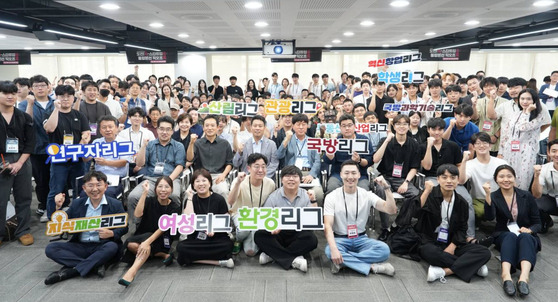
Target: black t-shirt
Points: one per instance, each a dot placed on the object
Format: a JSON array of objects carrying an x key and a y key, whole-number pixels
[
  {"x": 73, "y": 122},
  {"x": 406, "y": 155},
  {"x": 255, "y": 94},
  {"x": 215, "y": 204},
  {"x": 218, "y": 92},
  {"x": 234, "y": 90},
  {"x": 420, "y": 136},
  {"x": 450, "y": 153},
  {"x": 152, "y": 211},
  {"x": 20, "y": 127},
  {"x": 380, "y": 107},
  {"x": 93, "y": 112}
]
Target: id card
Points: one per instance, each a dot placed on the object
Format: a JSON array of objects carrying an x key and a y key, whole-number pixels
[
  {"x": 352, "y": 231},
  {"x": 12, "y": 145},
  {"x": 202, "y": 236},
  {"x": 487, "y": 125},
  {"x": 515, "y": 146},
  {"x": 68, "y": 139},
  {"x": 166, "y": 241},
  {"x": 159, "y": 167},
  {"x": 301, "y": 161},
  {"x": 513, "y": 227},
  {"x": 93, "y": 128},
  {"x": 397, "y": 170},
  {"x": 443, "y": 235}
]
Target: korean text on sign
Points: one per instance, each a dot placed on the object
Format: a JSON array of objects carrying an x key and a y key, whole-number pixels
[
  {"x": 284, "y": 106},
  {"x": 307, "y": 218},
  {"x": 60, "y": 223},
  {"x": 331, "y": 128},
  {"x": 62, "y": 153},
  {"x": 419, "y": 107},
  {"x": 395, "y": 60},
  {"x": 188, "y": 223},
  {"x": 229, "y": 108},
  {"x": 332, "y": 145},
  {"x": 396, "y": 77}
]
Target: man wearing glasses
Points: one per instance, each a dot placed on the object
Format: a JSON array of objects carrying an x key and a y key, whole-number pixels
[
  {"x": 162, "y": 156},
  {"x": 399, "y": 162}
]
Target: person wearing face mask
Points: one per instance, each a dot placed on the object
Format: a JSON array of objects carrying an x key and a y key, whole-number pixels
[
  {"x": 203, "y": 247},
  {"x": 117, "y": 110},
  {"x": 91, "y": 108}
]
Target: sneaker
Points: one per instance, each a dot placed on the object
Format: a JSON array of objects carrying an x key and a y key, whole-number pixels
[
  {"x": 335, "y": 268},
  {"x": 383, "y": 268},
  {"x": 226, "y": 263},
  {"x": 436, "y": 273},
  {"x": 40, "y": 212},
  {"x": 44, "y": 218},
  {"x": 264, "y": 258},
  {"x": 236, "y": 248},
  {"x": 384, "y": 235},
  {"x": 483, "y": 271},
  {"x": 300, "y": 263},
  {"x": 26, "y": 239}
]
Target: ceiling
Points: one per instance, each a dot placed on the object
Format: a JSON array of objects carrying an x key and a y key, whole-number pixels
[{"x": 228, "y": 25}]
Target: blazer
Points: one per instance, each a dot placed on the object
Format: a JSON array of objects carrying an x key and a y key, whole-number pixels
[
  {"x": 78, "y": 209},
  {"x": 545, "y": 97},
  {"x": 268, "y": 149},
  {"x": 430, "y": 217},
  {"x": 289, "y": 154},
  {"x": 527, "y": 212}
]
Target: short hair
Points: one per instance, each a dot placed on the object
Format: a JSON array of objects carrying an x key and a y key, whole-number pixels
[
  {"x": 413, "y": 112},
  {"x": 258, "y": 118},
  {"x": 135, "y": 110},
  {"x": 366, "y": 73},
  {"x": 553, "y": 72},
  {"x": 132, "y": 83},
  {"x": 480, "y": 136},
  {"x": 461, "y": 81},
  {"x": 152, "y": 76},
  {"x": 38, "y": 79},
  {"x": 503, "y": 80},
  {"x": 295, "y": 75},
  {"x": 108, "y": 118},
  {"x": 365, "y": 82},
  {"x": 167, "y": 179},
  {"x": 435, "y": 83},
  {"x": 154, "y": 108},
  {"x": 274, "y": 74},
  {"x": 103, "y": 81},
  {"x": 369, "y": 113},
  {"x": 358, "y": 105},
  {"x": 86, "y": 77},
  {"x": 291, "y": 170},
  {"x": 184, "y": 116},
  {"x": 503, "y": 167},
  {"x": 100, "y": 176},
  {"x": 399, "y": 117},
  {"x": 315, "y": 75},
  {"x": 466, "y": 109},
  {"x": 451, "y": 168},
  {"x": 86, "y": 84},
  {"x": 254, "y": 157},
  {"x": 349, "y": 162},
  {"x": 454, "y": 88},
  {"x": 472, "y": 77},
  {"x": 123, "y": 85},
  {"x": 22, "y": 82},
  {"x": 165, "y": 119},
  {"x": 64, "y": 89},
  {"x": 436, "y": 122},
  {"x": 232, "y": 78},
  {"x": 517, "y": 82},
  {"x": 8, "y": 87},
  {"x": 325, "y": 75},
  {"x": 346, "y": 117},
  {"x": 347, "y": 101},
  {"x": 489, "y": 80},
  {"x": 216, "y": 77},
  {"x": 201, "y": 172},
  {"x": 210, "y": 117},
  {"x": 299, "y": 117},
  {"x": 551, "y": 143}
]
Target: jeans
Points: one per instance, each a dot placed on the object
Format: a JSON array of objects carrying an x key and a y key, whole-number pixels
[
  {"x": 246, "y": 237},
  {"x": 60, "y": 173},
  {"x": 359, "y": 253}
]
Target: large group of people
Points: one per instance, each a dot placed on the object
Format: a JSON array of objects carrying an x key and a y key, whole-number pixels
[{"x": 481, "y": 162}]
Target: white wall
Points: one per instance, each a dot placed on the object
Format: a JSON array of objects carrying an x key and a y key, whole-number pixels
[{"x": 193, "y": 67}]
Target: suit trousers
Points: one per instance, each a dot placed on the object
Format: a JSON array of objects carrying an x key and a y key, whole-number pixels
[
  {"x": 286, "y": 246},
  {"x": 80, "y": 255}
]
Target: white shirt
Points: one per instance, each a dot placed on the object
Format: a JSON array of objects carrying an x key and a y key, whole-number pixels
[
  {"x": 548, "y": 179},
  {"x": 481, "y": 173},
  {"x": 114, "y": 107},
  {"x": 334, "y": 205},
  {"x": 361, "y": 99},
  {"x": 507, "y": 109},
  {"x": 296, "y": 90},
  {"x": 136, "y": 137}
]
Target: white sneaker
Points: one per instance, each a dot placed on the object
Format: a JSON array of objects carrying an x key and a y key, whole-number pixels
[
  {"x": 300, "y": 263},
  {"x": 436, "y": 273},
  {"x": 383, "y": 268},
  {"x": 335, "y": 268},
  {"x": 264, "y": 258},
  {"x": 44, "y": 218},
  {"x": 226, "y": 263},
  {"x": 483, "y": 271}
]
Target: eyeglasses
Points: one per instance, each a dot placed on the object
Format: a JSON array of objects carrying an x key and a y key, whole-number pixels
[
  {"x": 165, "y": 129},
  {"x": 40, "y": 86},
  {"x": 92, "y": 186},
  {"x": 255, "y": 167},
  {"x": 347, "y": 125},
  {"x": 482, "y": 144},
  {"x": 294, "y": 176}
]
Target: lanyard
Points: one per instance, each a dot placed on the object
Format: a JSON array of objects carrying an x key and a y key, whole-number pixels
[
  {"x": 167, "y": 153},
  {"x": 513, "y": 130},
  {"x": 511, "y": 206},
  {"x": 346, "y": 211},
  {"x": 261, "y": 193},
  {"x": 486, "y": 105},
  {"x": 300, "y": 149},
  {"x": 141, "y": 136}
]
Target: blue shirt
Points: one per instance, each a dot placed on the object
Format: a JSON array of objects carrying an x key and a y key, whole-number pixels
[
  {"x": 171, "y": 155},
  {"x": 92, "y": 212},
  {"x": 121, "y": 171},
  {"x": 41, "y": 137},
  {"x": 197, "y": 129},
  {"x": 274, "y": 90},
  {"x": 302, "y": 153},
  {"x": 131, "y": 104},
  {"x": 341, "y": 156},
  {"x": 462, "y": 137}
]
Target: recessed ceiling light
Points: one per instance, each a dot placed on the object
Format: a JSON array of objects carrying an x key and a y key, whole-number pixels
[
  {"x": 430, "y": 33},
  {"x": 265, "y": 35},
  {"x": 109, "y": 6},
  {"x": 403, "y": 40},
  {"x": 516, "y": 44},
  {"x": 27, "y": 48},
  {"x": 348, "y": 34},
  {"x": 543, "y": 3},
  {"x": 183, "y": 35},
  {"x": 385, "y": 45},
  {"x": 200, "y": 42},
  {"x": 327, "y": 46},
  {"x": 253, "y": 5},
  {"x": 85, "y": 47},
  {"x": 212, "y": 46},
  {"x": 261, "y": 24},
  {"x": 156, "y": 25},
  {"x": 2, "y": 37},
  {"x": 399, "y": 3},
  {"x": 472, "y": 22},
  {"x": 336, "y": 41},
  {"x": 366, "y": 23},
  {"x": 49, "y": 43}
]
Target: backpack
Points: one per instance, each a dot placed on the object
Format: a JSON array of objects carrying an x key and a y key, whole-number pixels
[{"x": 404, "y": 242}]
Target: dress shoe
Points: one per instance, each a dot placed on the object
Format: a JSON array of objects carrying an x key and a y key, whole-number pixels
[
  {"x": 64, "y": 273},
  {"x": 522, "y": 288},
  {"x": 509, "y": 289},
  {"x": 101, "y": 271},
  {"x": 26, "y": 239},
  {"x": 124, "y": 283},
  {"x": 384, "y": 235},
  {"x": 487, "y": 241},
  {"x": 168, "y": 260}
]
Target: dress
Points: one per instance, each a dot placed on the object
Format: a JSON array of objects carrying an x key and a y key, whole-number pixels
[
  {"x": 217, "y": 247},
  {"x": 519, "y": 128}
]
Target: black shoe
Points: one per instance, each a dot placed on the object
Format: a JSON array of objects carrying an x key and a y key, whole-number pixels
[
  {"x": 63, "y": 274},
  {"x": 509, "y": 288},
  {"x": 101, "y": 271},
  {"x": 523, "y": 288},
  {"x": 384, "y": 235},
  {"x": 546, "y": 222},
  {"x": 168, "y": 261},
  {"x": 487, "y": 241}
]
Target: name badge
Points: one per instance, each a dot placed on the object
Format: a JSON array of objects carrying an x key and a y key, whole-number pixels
[
  {"x": 159, "y": 168},
  {"x": 352, "y": 231},
  {"x": 397, "y": 170},
  {"x": 487, "y": 125},
  {"x": 68, "y": 139},
  {"x": 93, "y": 128},
  {"x": 515, "y": 146},
  {"x": 202, "y": 236},
  {"x": 443, "y": 232},
  {"x": 166, "y": 242},
  {"x": 12, "y": 145},
  {"x": 300, "y": 161}
]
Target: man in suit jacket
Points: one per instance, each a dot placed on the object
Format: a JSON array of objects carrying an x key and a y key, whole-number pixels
[
  {"x": 258, "y": 143},
  {"x": 294, "y": 149},
  {"x": 87, "y": 251},
  {"x": 552, "y": 86}
]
